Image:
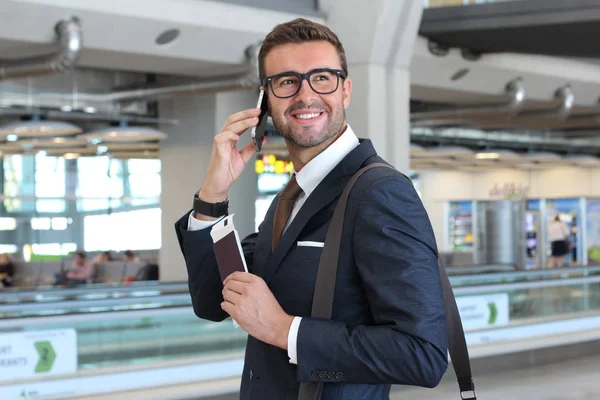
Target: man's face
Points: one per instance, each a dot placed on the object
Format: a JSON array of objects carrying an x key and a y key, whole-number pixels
[{"x": 326, "y": 112}]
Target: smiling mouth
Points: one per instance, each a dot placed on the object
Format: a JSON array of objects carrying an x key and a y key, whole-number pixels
[{"x": 308, "y": 116}]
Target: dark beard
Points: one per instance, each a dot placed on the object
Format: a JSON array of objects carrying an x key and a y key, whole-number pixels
[{"x": 333, "y": 126}]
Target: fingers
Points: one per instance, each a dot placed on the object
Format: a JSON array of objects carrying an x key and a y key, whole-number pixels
[
  {"x": 235, "y": 286},
  {"x": 240, "y": 116},
  {"x": 247, "y": 152},
  {"x": 240, "y": 277},
  {"x": 227, "y": 307},
  {"x": 230, "y": 296},
  {"x": 241, "y": 126},
  {"x": 226, "y": 138}
]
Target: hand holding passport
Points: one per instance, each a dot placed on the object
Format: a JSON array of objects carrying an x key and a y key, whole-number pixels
[{"x": 228, "y": 248}]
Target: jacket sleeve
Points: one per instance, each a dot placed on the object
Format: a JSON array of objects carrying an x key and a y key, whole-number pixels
[
  {"x": 203, "y": 274},
  {"x": 395, "y": 255}
]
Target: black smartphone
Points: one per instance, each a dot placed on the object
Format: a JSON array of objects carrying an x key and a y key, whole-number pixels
[{"x": 258, "y": 131}]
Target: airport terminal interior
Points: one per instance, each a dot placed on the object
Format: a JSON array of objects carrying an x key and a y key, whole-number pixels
[{"x": 108, "y": 112}]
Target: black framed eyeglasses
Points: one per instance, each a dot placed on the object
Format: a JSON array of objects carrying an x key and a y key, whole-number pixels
[{"x": 288, "y": 84}]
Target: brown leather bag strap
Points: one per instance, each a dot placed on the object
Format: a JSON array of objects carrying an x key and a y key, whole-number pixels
[{"x": 325, "y": 287}]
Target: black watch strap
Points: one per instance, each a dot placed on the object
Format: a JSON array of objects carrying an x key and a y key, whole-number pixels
[{"x": 210, "y": 209}]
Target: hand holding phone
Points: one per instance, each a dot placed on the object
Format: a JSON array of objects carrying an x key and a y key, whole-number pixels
[{"x": 258, "y": 131}]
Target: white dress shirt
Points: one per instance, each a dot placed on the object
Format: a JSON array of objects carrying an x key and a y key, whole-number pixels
[{"x": 308, "y": 179}]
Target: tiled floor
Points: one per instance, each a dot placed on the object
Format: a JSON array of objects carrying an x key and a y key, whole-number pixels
[{"x": 572, "y": 380}]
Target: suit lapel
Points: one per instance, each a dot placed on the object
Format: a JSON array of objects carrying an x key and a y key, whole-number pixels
[{"x": 328, "y": 190}]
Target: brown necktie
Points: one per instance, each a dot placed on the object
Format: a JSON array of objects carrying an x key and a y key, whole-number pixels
[{"x": 287, "y": 198}]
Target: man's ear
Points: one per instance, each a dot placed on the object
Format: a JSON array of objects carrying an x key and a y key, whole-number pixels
[{"x": 347, "y": 91}]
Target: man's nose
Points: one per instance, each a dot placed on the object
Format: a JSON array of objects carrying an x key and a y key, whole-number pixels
[{"x": 305, "y": 94}]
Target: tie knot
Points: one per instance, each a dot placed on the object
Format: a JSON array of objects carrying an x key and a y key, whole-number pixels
[{"x": 291, "y": 191}]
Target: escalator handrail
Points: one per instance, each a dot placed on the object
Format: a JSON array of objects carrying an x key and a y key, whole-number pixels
[
  {"x": 183, "y": 299},
  {"x": 9, "y": 295},
  {"x": 523, "y": 274}
]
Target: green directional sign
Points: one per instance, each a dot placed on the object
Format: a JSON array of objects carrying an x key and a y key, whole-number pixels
[
  {"x": 493, "y": 313},
  {"x": 47, "y": 356}
]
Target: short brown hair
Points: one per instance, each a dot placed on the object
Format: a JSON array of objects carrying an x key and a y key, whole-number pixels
[
  {"x": 80, "y": 253},
  {"x": 298, "y": 31}
]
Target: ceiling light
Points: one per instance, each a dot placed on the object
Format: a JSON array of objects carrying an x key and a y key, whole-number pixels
[
  {"x": 12, "y": 138},
  {"x": 134, "y": 154},
  {"x": 449, "y": 151},
  {"x": 123, "y": 134},
  {"x": 497, "y": 154},
  {"x": 487, "y": 156},
  {"x": 71, "y": 156},
  {"x": 167, "y": 36},
  {"x": 39, "y": 128},
  {"x": 461, "y": 73},
  {"x": 57, "y": 142},
  {"x": 71, "y": 153},
  {"x": 133, "y": 146},
  {"x": 89, "y": 110}
]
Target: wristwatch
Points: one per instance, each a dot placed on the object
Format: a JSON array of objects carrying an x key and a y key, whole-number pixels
[{"x": 210, "y": 209}]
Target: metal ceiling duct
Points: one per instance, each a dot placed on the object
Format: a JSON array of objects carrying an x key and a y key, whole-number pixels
[
  {"x": 514, "y": 91},
  {"x": 567, "y": 100},
  {"x": 85, "y": 116},
  {"x": 514, "y": 140},
  {"x": 70, "y": 41},
  {"x": 247, "y": 80}
]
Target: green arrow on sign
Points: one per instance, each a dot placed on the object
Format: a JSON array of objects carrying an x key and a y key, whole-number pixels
[
  {"x": 493, "y": 313},
  {"x": 47, "y": 356}
]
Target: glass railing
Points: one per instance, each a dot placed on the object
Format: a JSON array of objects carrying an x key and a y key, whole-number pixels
[
  {"x": 152, "y": 295},
  {"x": 148, "y": 331},
  {"x": 470, "y": 280},
  {"x": 139, "y": 335},
  {"x": 89, "y": 292}
]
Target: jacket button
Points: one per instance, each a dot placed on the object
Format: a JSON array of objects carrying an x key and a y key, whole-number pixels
[
  {"x": 315, "y": 374},
  {"x": 331, "y": 375},
  {"x": 251, "y": 374},
  {"x": 323, "y": 375},
  {"x": 339, "y": 375}
]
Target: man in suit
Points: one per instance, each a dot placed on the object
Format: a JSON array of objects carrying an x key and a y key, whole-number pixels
[{"x": 388, "y": 323}]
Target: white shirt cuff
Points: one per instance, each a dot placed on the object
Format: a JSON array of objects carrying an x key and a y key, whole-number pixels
[
  {"x": 196, "y": 224},
  {"x": 292, "y": 339}
]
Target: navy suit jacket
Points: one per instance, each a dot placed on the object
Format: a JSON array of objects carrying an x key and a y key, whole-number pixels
[{"x": 388, "y": 324}]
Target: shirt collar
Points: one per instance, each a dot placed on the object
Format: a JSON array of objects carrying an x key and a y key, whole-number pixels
[{"x": 319, "y": 167}]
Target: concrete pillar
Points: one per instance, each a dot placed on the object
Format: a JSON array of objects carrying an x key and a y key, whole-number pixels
[
  {"x": 185, "y": 155},
  {"x": 378, "y": 63}
]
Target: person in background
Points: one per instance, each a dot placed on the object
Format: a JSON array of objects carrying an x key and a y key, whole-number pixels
[
  {"x": 131, "y": 257},
  {"x": 80, "y": 273},
  {"x": 7, "y": 271},
  {"x": 104, "y": 257},
  {"x": 558, "y": 234}
]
